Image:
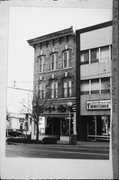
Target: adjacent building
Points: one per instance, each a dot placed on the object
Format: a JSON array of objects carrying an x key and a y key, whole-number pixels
[
  {"x": 55, "y": 82},
  {"x": 93, "y": 83},
  {"x": 19, "y": 122}
]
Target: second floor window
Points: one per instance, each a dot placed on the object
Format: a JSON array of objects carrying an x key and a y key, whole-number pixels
[
  {"x": 67, "y": 56},
  {"x": 96, "y": 86},
  {"x": 67, "y": 88},
  {"x": 54, "y": 89},
  {"x": 105, "y": 85},
  {"x": 41, "y": 92}
]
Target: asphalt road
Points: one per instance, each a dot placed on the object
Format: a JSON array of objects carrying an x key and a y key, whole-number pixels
[{"x": 88, "y": 151}]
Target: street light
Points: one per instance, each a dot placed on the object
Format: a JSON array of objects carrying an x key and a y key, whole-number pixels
[{"x": 69, "y": 104}]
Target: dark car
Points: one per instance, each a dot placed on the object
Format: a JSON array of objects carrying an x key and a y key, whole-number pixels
[{"x": 14, "y": 133}]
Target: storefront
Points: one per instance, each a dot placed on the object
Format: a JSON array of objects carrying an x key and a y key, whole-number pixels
[
  {"x": 95, "y": 125},
  {"x": 60, "y": 125}
]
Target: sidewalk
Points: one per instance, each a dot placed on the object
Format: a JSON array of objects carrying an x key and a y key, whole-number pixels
[{"x": 86, "y": 143}]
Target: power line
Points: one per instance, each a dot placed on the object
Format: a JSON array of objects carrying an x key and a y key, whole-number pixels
[{"x": 20, "y": 89}]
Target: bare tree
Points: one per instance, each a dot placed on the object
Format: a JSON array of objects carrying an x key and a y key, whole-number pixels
[{"x": 38, "y": 106}]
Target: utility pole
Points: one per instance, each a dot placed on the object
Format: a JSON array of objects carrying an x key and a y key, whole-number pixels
[{"x": 115, "y": 90}]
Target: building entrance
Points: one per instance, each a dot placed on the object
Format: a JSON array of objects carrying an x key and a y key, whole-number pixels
[
  {"x": 59, "y": 126},
  {"x": 53, "y": 126}
]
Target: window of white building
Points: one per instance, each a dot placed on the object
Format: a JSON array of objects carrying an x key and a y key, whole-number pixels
[
  {"x": 104, "y": 53},
  {"x": 100, "y": 54},
  {"x": 105, "y": 85},
  {"x": 94, "y": 55},
  {"x": 95, "y": 86},
  {"x": 85, "y": 57},
  {"x": 85, "y": 87}
]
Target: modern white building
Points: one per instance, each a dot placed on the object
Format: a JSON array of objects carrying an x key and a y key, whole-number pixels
[{"x": 94, "y": 55}]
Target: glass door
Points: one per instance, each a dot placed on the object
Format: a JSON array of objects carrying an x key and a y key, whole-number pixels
[{"x": 92, "y": 128}]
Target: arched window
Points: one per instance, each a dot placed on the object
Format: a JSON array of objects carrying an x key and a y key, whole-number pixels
[
  {"x": 53, "y": 61},
  {"x": 67, "y": 57},
  {"x": 42, "y": 63}
]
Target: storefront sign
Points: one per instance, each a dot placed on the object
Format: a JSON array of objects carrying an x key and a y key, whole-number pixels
[{"x": 99, "y": 105}]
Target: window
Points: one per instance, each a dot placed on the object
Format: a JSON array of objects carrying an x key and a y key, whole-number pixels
[
  {"x": 67, "y": 88},
  {"x": 67, "y": 56},
  {"x": 94, "y": 55},
  {"x": 104, "y": 53},
  {"x": 105, "y": 85},
  {"x": 85, "y": 87},
  {"x": 95, "y": 86},
  {"x": 41, "y": 92},
  {"x": 85, "y": 57},
  {"x": 53, "y": 61},
  {"x": 54, "y": 89},
  {"x": 41, "y": 60}
]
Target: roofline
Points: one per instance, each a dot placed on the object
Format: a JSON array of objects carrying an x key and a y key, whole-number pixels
[
  {"x": 94, "y": 27},
  {"x": 51, "y": 36}
]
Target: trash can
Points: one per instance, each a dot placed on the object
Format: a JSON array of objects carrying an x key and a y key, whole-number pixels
[{"x": 73, "y": 139}]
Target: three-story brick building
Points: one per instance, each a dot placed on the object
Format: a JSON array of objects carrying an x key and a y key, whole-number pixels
[{"x": 55, "y": 81}]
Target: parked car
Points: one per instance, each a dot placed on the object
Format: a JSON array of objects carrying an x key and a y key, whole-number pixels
[
  {"x": 14, "y": 133},
  {"x": 49, "y": 140}
]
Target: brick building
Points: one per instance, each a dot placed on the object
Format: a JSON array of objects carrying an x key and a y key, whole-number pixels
[
  {"x": 55, "y": 82},
  {"x": 94, "y": 55}
]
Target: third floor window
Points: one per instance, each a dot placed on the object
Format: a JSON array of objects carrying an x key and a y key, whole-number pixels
[
  {"x": 53, "y": 61},
  {"x": 67, "y": 56},
  {"x": 41, "y": 60},
  {"x": 94, "y": 55}
]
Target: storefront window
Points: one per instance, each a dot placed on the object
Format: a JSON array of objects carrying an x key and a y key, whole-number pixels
[
  {"x": 98, "y": 128},
  {"x": 105, "y": 125}
]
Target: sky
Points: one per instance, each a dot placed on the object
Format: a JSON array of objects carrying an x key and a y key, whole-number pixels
[{"x": 29, "y": 22}]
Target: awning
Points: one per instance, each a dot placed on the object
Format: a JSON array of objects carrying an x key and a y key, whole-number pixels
[{"x": 55, "y": 115}]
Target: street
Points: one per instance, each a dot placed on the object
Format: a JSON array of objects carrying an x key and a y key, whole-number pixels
[{"x": 85, "y": 150}]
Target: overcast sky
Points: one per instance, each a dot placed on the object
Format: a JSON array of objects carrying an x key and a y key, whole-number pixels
[{"x": 29, "y": 22}]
